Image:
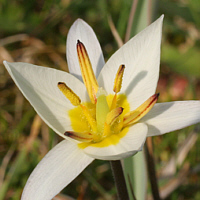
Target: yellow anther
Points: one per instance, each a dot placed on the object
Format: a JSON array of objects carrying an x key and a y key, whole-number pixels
[
  {"x": 114, "y": 102},
  {"x": 73, "y": 98},
  {"x": 87, "y": 72},
  {"x": 82, "y": 137},
  {"x": 110, "y": 119},
  {"x": 133, "y": 116},
  {"x": 118, "y": 79},
  {"x": 113, "y": 114},
  {"x": 90, "y": 119},
  {"x": 106, "y": 131}
]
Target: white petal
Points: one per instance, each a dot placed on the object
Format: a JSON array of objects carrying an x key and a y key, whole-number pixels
[
  {"x": 171, "y": 116},
  {"x": 127, "y": 146},
  {"x": 141, "y": 57},
  {"x": 80, "y": 30},
  {"x": 55, "y": 171},
  {"x": 39, "y": 86}
]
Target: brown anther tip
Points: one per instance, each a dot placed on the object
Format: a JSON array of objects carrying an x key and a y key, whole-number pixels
[
  {"x": 59, "y": 83},
  {"x": 155, "y": 96},
  {"x": 121, "y": 109},
  {"x": 79, "y": 42},
  {"x": 79, "y": 45},
  {"x": 68, "y": 133},
  {"x": 123, "y": 65}
]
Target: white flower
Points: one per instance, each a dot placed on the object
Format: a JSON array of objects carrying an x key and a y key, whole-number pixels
[{"x": 106, "y": 118}]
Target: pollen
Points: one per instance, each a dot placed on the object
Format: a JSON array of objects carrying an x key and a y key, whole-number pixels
[
  {"x": 91, "y": 120},
  {"x": 113, "y": 114},
  {"x": 88, "y": 76},
  {"x": 82, "y": 137},
  {"x": 118, "y": 79},
  {"x": 97, "y": 120},
  {"x": 117, "y": 85},
  {"x": 135, "y": 115},
  {"x": 73, "y": 98}
]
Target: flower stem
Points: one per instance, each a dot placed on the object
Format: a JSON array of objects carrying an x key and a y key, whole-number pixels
[
  {"x": 151, "y": 169},
  {"x": 119, "y": 180}
]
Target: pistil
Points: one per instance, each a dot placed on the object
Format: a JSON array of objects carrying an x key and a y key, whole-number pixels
[{"x": 102, "y": 109}]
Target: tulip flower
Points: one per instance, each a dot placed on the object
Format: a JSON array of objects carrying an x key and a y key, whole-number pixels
[{"x": 102, "y": 110}]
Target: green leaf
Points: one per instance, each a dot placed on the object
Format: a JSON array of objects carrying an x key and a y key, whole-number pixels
[{"x": 135, "y": 172}]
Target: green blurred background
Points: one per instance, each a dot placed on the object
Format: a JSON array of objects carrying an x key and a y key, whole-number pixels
[{"x": 35, "y": 31}]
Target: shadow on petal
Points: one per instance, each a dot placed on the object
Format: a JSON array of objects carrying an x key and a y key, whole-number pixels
[{"x": 135, "y": 81}]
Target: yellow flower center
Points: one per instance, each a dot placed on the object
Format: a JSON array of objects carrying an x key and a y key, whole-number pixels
[
  {"x": 105, "y": 119},
  {"x": 81, "y": 124}
]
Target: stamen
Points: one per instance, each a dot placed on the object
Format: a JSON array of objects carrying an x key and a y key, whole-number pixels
[
  {"x": 82, "y": 137},
  {"x": 114, "y": 102},
  {"x": 118, "y": 79},
  {"x": 113, "y": 114},
  {"x": 73, "y": 98},
  {"x": 87, "y": 72},
  {"x": 89, "y": 118},
  {"x": 110, "y": 119},
  {"x": 117, "y": 85},
  {"x": 141, "y": 111},
  {"x": 106, "y": 131}
]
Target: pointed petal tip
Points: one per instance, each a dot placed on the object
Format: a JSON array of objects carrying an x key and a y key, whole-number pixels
[
  {"x": 4, "y": 62},
  {"x": 82, "y": 31},
  {"x": 78, "y": 22},
  {"x": 162, "y": 16},
  {"x": 160, "y": 19},
  {"x": 7, "y": 65}
]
